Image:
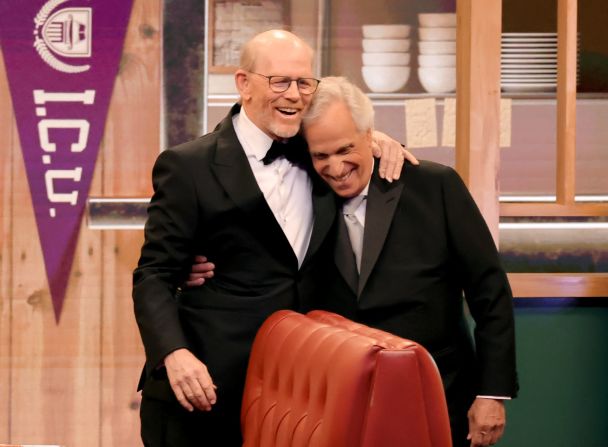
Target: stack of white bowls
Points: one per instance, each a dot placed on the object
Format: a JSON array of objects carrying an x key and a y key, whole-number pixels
[
  {"x": 437, "y": 48},
  {"x": 386, "y": 57}
]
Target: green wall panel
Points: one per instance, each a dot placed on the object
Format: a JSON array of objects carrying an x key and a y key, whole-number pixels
[{"x": 562, "y": 354}]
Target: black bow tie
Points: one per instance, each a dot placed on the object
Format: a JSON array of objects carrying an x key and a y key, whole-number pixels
[{"x": 294, "y": 150}]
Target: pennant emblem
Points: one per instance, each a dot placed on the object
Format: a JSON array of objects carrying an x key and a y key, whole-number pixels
[{"x": 66, "y": 32}]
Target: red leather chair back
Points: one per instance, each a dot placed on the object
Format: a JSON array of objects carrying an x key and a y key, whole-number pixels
[{"x": 320, "y": 380}]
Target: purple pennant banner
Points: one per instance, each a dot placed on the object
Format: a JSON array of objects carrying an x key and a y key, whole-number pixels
[{"x": 61, "y": 59}]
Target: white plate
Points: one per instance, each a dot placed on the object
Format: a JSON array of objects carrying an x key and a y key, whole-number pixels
[
  {"x": 529, "y": 34},
  {"x": 529, "y": 39},
  {"x": 531, "y": 81},
  {"x": 540, "y": 83},
  {"x": 532, "y": 63},
  {"x": 528, "y": 50},
  {"x": 529, "y": 70},
  {"x": 528, "y": 67},
  {"x": 528, "y": 56},
  {"x": 525, "y": 65},
  {"x": 521, "y": 70},
  {"x": 529, "y": 88},
  {"x": 528, "y": 81},
  {"x": 543, "y": 45},
  {"x": 540, "y": 77},
  {"x": 529, "y": 61},
  {"x": 518, "y": 40}
]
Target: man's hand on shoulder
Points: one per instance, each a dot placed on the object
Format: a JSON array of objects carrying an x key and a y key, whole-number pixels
[
  {"x": 487, "y": 420},
  {"x": 190, "y": 380},
  {"x": 392, "y": 155}
]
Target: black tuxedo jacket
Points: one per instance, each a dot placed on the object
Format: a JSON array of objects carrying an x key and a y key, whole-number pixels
[
  {"x": 206, "y": 201},
  {"x": 425, "y": 245}
]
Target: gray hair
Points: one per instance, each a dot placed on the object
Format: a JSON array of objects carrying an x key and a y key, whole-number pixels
[{"x": 334, "y": 88}]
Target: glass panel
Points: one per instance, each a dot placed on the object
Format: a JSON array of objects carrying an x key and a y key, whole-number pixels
[
  {"x": 529, "y": 78},
  {"x": 592, "y": 19},
  {"x": 592, "y": 111},
  {"x": 592, "y": 149},
  {"x": 528, "y": 166}
]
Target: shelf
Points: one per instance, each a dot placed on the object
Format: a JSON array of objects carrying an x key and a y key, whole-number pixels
[{"x": 226, "y": 100}]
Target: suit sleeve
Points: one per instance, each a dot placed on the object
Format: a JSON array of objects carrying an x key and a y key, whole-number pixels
[
  {"x": 486, "y": 289},
  {"x": 166, "y": 253}
]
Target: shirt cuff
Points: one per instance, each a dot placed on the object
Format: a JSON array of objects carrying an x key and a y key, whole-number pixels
[{"x": 494, "y": 397}]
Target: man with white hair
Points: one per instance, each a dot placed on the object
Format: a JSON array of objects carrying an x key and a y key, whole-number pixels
[{"x": 406, "y": 252}]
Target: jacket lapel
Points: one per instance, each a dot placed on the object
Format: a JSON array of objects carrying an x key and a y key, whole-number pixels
[
  {"x": 324, "y": 212},
  {"x": 233, "y": 172},
  {"x": 344, "y": 256},
  {"x": 382, "y": 200}
]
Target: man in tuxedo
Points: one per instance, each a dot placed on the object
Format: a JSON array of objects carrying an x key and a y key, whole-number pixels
[
  {"x": 259, "y": 216},
  {"x": 405, "y": 254}
]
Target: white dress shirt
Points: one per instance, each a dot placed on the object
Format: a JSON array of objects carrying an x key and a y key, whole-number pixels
[
  {"x": 287, "y": 188},
  {"x": 353, "y": 211}
]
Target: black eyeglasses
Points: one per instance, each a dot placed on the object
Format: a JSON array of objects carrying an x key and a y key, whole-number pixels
[{"x": 280, "y": 84}]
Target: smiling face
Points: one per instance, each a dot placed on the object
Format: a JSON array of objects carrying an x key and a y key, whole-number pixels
[
  {"x": 341, "y": 154},
  {"x": 277, "y": 53}
]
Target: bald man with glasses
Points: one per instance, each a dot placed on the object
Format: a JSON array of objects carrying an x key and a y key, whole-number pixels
[{"x": 243, "y": 196}]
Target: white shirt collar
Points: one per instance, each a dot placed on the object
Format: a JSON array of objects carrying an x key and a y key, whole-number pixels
[
  {"x": 254, "y": 141},
  {"x": 363, "y": 192}
]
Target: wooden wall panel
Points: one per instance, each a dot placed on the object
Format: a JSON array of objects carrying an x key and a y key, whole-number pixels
[
  {"x": 131, "y": 144},
  {"x": 122, "y": 351},
  {"x": 55, "y": 370},
  {"x": 7, "y": 136},
  {"x": 53, "y": 376}
]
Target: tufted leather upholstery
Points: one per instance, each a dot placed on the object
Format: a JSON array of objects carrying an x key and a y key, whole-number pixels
[{"x": 320, "y": 380}]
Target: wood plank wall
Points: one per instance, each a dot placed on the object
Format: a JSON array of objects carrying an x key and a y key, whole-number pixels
[
  {"x": 73, "y": 383},
  {"x": 7, "y": 137}
]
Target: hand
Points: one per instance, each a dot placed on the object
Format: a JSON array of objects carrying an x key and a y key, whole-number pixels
[
  {"x": 201, "y": 269},
  {"x": 190, "y": 380},
  {"x": 486, "y": 421},
  {"x": 391, "y": 155}
]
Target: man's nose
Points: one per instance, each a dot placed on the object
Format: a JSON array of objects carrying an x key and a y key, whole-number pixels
[
  {"x": 335, "y": 168},
  {"x": 292, "y": 91}
]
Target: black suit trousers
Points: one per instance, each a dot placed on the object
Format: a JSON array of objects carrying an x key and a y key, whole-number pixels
[{"x": 165, "y": 423}]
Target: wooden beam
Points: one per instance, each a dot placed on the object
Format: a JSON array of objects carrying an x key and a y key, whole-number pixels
[
  {"x": 559, "y": 285},
  {"x": 544, "y": 209},
  {"x": 566, "y": 100},
  {"x": 478, "y": 103}
]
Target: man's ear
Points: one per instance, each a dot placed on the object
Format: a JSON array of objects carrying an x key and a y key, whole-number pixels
[
  {"x": 242, "y": 81},
  {"x": 369, "y": 136}
]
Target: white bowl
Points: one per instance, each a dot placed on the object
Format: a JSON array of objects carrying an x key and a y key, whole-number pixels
[
  {"x": 386, "y": 31},
  {"x": 437, "y": 46},
  {"x": 448, "y": 33},
  {"x": 437, "y": 79},
  {"x": 437, "y": 60},
  {"x": 385, "y": 79},
  {"x": 385, "y": 45},
  {"x": 386, "y": 59},
  {"x": 437, "y": 20}
]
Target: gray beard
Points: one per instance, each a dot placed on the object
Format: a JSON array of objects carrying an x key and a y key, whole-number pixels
[{"x": 284, "y": 133}]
